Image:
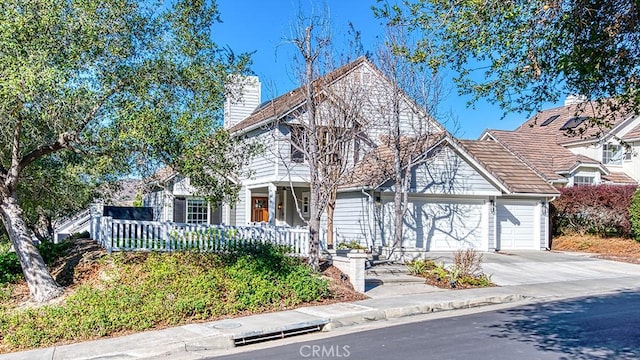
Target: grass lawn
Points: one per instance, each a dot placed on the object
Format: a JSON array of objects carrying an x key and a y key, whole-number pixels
[
  {"x": 109, "y": 295},
  {"x": 619, "y": 249}
]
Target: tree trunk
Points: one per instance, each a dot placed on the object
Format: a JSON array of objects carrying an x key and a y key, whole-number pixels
[
  {"x": 398, "y": 218},
  {"x": 42, "y": 286},
  {"x": 314, "y": 243},
  {"x": 331, "y": 206}
]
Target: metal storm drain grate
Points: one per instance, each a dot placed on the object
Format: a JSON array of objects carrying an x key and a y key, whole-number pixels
[{"x": 276, "y": 335}]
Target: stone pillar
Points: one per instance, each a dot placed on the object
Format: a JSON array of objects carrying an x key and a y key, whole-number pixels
[
  {"x": 356, "y": 270},
  {"x": 353, "y": 265}
]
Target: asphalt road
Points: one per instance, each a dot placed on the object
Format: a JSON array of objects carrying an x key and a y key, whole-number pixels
[{"x": 604, "y": 327}]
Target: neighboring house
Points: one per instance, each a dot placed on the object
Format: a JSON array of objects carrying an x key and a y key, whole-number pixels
[
  {"x": 566, "y": 150},
  {"x": 464, "y": 194}
]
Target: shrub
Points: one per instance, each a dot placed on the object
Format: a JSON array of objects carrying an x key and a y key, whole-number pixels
[
  {"x": 466, "y": 271},
  {"x": 353, "y": 244},
  {"x": 600, "y": 210},
  {"x": 141, "y": 291},
  {"x": 634, "y": 215},
  {"x": 468, "y": 262},
  {"x": 420, "y": 266},
  {"x": 10, "y": 269}
]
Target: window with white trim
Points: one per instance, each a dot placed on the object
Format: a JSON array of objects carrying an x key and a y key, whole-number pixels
[
  {"x": 305, "y": 204},
  {"x": 612, "y": 154},
  {"x": 197, "y": 211},
  {"x": 583, "y": 180}
]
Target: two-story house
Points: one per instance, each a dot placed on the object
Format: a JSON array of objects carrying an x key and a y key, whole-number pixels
[
  {"x": 463, "y": 193},
  {"x": 566, "y": 149}
]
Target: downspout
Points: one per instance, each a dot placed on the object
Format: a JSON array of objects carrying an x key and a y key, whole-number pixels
[{"x": 371, "y": 216}]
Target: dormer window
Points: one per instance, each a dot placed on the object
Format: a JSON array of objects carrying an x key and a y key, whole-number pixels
[
  {"x": 583, "y": 180},
  {"x": 612, "y": 154}
]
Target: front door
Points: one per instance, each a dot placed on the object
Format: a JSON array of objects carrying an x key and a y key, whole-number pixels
[{"x": 259, "y": 209}]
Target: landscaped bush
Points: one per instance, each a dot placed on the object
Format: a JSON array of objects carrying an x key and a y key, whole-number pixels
[
  {"x": 10, "y": 269},
  {"x": 600, "y": 210},
  {"x": 465, "y": 272},
  {"x": 634, "y": 215},
  {"x": 141, "y": 291},
  {"x": 353, "y": 244}
]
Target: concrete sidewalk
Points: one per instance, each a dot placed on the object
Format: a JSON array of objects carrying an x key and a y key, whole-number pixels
[{"x": 393, "y": 294}]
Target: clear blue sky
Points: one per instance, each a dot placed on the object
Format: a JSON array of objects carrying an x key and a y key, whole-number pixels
[{"x": 261, "y": 25}]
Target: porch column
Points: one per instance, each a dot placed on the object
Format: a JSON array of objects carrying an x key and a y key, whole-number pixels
[{"x": 272, "y": 204}]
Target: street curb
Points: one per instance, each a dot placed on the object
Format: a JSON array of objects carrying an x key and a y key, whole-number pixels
[{"x": 421, "y": 309}]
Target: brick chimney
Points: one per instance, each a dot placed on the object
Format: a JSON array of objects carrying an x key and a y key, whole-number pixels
[{"x": 243, "y": 98}]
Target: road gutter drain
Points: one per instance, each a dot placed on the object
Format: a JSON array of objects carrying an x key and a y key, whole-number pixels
[{"x": 276, "y": 335}]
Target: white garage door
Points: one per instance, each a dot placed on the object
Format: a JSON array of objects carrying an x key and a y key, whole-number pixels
[
  {"x": 515, "y": 224},
  {"x": 444, "y": 224}
]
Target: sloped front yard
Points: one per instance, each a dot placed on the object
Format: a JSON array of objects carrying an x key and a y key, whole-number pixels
[
  {"x": 123, "y": 293},
  {"x": 618, "y": 249}
]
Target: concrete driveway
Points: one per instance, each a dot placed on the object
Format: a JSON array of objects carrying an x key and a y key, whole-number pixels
[{"x": 536, "y": 267}]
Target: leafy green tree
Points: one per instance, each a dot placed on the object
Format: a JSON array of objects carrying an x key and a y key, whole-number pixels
[
  {"x": 56, "y": 187},
  {"x": 520, "y": 54},
  {"x": 118, "y": 83}
]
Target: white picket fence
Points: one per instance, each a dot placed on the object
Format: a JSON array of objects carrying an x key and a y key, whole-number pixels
[{"x": 129, "y": 235}]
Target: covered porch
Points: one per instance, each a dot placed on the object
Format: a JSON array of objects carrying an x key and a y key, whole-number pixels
[{"x": 278, "y": 203}]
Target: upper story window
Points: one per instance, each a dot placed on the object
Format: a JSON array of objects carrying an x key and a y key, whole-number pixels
[
  {"x": 298, "y": 143},
  {"x": 583, "y": 180},
  {"x": 612, "y": 154}
]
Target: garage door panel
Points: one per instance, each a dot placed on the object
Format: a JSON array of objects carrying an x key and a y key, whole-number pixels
[
  {"x": 444, "y": 225},
  {"x": 516, "y": 222}
]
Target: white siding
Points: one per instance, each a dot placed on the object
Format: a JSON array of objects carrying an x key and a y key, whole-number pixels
[
  {"x": 263, "y": 165},
  {"x": 592, "y": 151},
  {"x": 155, "y": 200},
  {"x": 181, "y": 186},
  {"x": 448, "y": 173},
  {"x": 517, "y": 224},
  {"x": 351, "y": 219},
  {"x": 288, "y": 168},
  {"x": 631, "y": 167},
  {"x": 240, "y": 207}
]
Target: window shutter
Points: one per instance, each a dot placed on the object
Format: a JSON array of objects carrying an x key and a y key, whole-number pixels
[{"x": 179, "y": 209}]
